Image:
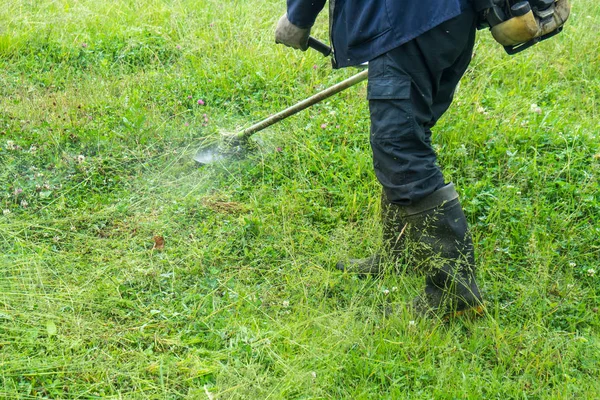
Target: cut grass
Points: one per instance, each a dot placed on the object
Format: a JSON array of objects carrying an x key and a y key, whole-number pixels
[{"x": 99, "y": 118}]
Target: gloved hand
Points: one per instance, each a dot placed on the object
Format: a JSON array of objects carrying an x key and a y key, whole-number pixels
[{"x": 290, "y": 35}]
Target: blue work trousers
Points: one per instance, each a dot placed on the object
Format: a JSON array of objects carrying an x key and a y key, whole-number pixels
[{"x": 409, "y": 89}]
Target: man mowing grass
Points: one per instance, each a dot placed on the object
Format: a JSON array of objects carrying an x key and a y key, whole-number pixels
[{"x": 418, "y": 50}]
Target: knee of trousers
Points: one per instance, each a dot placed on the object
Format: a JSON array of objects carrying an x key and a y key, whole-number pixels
[{"x": 405, "y": 163}]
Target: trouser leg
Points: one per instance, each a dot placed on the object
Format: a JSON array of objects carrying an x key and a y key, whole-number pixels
[{"x": 409, "y": 89}]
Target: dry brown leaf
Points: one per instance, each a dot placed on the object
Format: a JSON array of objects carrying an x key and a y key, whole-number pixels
[{"x": 159, "y": 243}]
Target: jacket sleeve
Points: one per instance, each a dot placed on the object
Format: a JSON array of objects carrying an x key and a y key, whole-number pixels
[{"x": 303, "y": 13}]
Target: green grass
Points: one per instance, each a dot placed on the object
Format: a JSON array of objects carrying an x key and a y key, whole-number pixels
[{"x": 99, "y": 118}]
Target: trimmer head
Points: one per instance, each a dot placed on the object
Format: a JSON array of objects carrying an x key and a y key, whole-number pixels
[
  {"x": 208, "y": 155},
  {"x": 231, "y": 147}
]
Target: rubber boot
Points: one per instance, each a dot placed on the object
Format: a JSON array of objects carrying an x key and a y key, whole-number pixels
[
  {"x": 443, "y": 248},
  {"x": 393, "y": 242}
]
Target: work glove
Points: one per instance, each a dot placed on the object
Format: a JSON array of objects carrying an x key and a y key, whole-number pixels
[{"x": 290, "y": 35}]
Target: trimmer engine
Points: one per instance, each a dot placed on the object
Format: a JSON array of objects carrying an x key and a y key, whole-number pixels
[{"x": 519, "y": 24}]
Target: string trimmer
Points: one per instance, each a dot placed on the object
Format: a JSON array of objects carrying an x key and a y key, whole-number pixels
[{"x": 233, "y": 145}]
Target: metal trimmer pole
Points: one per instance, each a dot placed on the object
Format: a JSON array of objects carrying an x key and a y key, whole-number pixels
[{"x": 353, "y": 80}]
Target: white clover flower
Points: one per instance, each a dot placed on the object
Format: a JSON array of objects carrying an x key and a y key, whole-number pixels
[
  {"x": 286, "y": 303},
  {"x": 591, "y": 272},
  {"x": 535, "y": 109}
]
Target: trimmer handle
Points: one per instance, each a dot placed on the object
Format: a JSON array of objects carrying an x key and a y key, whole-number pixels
[{"x": 319, "y": 46}]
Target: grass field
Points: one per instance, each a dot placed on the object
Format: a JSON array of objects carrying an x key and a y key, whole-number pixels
[{"x": 102, "y": 105}]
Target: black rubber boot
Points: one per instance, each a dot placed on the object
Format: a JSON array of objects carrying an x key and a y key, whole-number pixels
[
  {"x": 435, "y": 236},
  {"x": 443, "y": 248},
  {"x": 393, "y": 242}
]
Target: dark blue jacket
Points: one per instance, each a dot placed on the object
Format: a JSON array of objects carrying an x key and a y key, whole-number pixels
[{"x": 363, "y": 29}]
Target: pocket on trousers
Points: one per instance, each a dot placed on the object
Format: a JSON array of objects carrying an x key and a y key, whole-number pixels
[
  {"x": 388, "y": 88},
  {"x": 390, "y": 107}
]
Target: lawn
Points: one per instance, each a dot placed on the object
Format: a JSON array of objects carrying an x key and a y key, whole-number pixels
[{"x": 104, "y": 103}]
